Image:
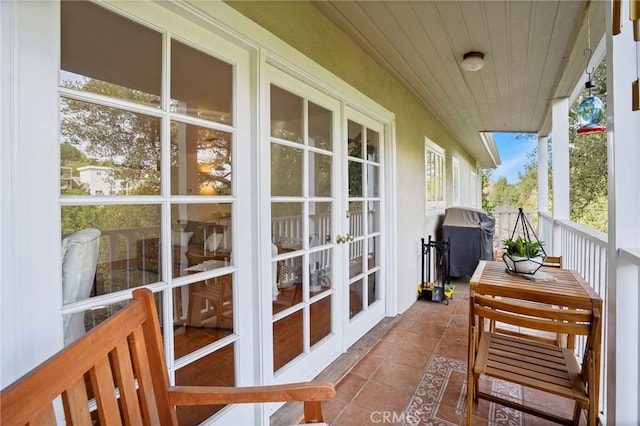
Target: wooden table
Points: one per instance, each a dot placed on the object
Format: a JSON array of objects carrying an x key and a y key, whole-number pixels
[{"x": 568, "y": 290}]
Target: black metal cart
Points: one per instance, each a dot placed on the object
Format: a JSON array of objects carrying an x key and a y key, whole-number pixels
[{"x": 440, "y": 289}]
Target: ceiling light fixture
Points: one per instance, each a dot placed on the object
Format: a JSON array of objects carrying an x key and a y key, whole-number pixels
[{"x": 473, "y": 61}]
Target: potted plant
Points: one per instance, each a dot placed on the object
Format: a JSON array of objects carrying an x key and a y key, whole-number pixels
[{"x": 522, "y": 255}]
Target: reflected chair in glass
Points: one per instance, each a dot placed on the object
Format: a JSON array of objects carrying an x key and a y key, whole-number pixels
[{"x": 79, "y": 262}]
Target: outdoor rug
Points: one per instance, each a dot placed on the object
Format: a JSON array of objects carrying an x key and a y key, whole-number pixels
[{"x": 440, "y": 397}]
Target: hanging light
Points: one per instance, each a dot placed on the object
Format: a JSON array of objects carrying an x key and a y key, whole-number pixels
[{"x": 591, "y": 109}]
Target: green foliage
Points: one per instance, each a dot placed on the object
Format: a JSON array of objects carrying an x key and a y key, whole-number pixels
[{"x": 523, "y": 248}]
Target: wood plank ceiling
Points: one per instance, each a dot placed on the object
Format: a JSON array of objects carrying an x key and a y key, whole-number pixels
[{"x": 533, "y": 54}]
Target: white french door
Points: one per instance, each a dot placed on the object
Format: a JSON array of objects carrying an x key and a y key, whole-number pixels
[
  {"x": 301, "y": 308},
  {"x": 362, "y": 224}
]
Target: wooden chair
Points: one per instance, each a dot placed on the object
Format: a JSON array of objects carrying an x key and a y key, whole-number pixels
[
  {"x": 537, "y": 365},
  {"x": 554, "y": 261},
  {"x": 551, "y": 338},
  {"x": 124, "y": 360}
]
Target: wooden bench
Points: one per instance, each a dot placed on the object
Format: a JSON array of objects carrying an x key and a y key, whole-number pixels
[
  {"x": 120, "y": 365},
  {"x": 533, "y": 364}
]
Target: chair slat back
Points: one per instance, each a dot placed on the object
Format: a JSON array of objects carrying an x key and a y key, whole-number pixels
[
  {"x": 117, "y": 358},
  {"x": 532, "y": 316}
]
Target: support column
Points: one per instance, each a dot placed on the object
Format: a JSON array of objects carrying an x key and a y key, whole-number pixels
[
  {"x": 622, "y": 387},
  {"x": 560, "y": 165},
  {"x": 543, "y": 174}
]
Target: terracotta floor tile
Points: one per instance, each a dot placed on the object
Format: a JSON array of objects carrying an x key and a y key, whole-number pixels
[
  {"x": 397, "y": 375},
  {"x": 367, "y": 366},
  {"x": 349, "y": 387},
  {"x": 379, "y": 397},
  {"x": 331, "y": 410},
  {"x": 353, "y": 415}
]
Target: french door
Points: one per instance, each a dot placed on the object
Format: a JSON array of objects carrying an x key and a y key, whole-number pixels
[
  {"x": 362, "y": 219},
  {"x": 325, "y": 227},
  {"x": 301, "y": 306}
]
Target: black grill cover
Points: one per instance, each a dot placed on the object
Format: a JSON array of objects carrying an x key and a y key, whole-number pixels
[{"x": 471, "y": 234}]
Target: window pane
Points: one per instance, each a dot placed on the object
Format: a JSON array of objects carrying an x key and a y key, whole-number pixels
[
  {"x": 356, "y": 219},
  {"x": 109, "y": 248},
  {"x": 200, "y": 237},
  {"x": 105, "y": 53},
  {"x": 203, "y": 313},
  {"x": 320, "y": 272},
  {"x": 286, "y": 115},
  {"x": 373, "y": 140},
  {"x": 373, "y": 216},
  {"x": 286, "y": 171},
  {"x": 201, "y": 85},
  {"x": 320, "y": 175},
  {"x": 355, "y": 131},
  {"x": 355, "y": 179},
  {"x": 200, "y": 160},
  {"x": 373, "y": 186},
  {"x": 319, "y": 223},
  {"x": 287, "y": 339},
  {"x": 320, "y": 319},
  {"x": 355, "y": 298},
  {"x": 215, "y": 369},
  {"x": 320, "y": 127},
  {"x": 108, "y": 151},
  {"x": 75, "y": 325}
]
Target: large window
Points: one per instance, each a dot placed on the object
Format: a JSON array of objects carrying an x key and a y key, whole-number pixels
[
  {"x": 434, "y": 176},
  {"x": 147, "y": 133}
]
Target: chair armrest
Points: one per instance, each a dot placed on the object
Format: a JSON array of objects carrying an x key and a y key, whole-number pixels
[
  {"x": 211, "y": 395},
  {"x": 312, "y": 393}
]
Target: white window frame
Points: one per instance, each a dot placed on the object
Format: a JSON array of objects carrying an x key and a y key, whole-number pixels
[
  {"x": 435, "y": 177},
  {"x": 455, "y": 172}
]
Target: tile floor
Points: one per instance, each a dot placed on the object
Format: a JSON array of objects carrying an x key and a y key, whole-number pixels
[{"x": 379, "y": 387}]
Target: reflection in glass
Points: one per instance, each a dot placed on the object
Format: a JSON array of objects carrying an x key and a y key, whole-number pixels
[
  {"x": 201, "y": 85},
  {"x": 105, "y": 53},
  {"x": 355, "y": 179},
  {"x": 286, "y": 171},
  {"x": 355, "y": 298},
  {"x": 200, "y": 160},
  {"x": 320, "y": 127},
  {"x": 354, "y": 147},
  {"x": 203, "y": 313},
  {"x": 108, "y": 151},
  {"x": 373, "y": 140},
  {"x": 319, "y": 223},
  {"x": 75, "y": 325},
  {"x": 356, "y": 256},
  {"x": 320, "y": 271},
  {"x": 372, "y": 288},
  {"x": 373, "y": 216},
  {"x": 319, "y": 175},
  {"x": 356, "y": 219},
  {"x": 287, "y": 339},
  {"x": 286, "y": 223},
  {"x": 373, "y": 249},
  {"x": 286, "y": 115},
  {"x": 200, "y": 237},
  {"x": 288, "y": 282},
  {"x": 129, "y": 254},
  {"x": 215, "y": 369},
  {"x": 373, "y": 186},
  {"x": 320, "y": 319}
]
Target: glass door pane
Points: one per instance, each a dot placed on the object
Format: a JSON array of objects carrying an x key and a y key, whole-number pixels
[
  {"x": 363, "y": 238},
  {"x": 302, "y": 209}
]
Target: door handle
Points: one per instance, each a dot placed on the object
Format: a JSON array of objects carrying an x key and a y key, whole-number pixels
[{"x": 340, "y": 239}]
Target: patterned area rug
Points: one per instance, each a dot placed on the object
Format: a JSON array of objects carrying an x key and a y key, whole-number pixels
[{"x": 440, "y": 397}]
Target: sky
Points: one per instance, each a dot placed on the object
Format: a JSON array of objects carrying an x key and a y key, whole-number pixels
[{"x": 513, "y": 155}]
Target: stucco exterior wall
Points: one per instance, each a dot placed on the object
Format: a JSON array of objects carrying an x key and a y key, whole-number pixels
[{"x": 306, "y": 29}]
